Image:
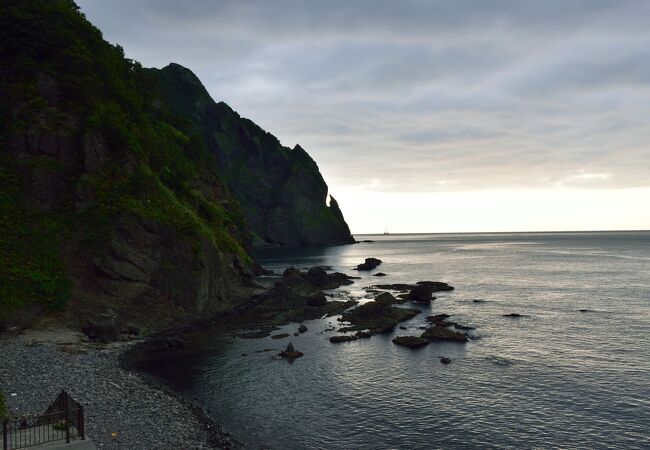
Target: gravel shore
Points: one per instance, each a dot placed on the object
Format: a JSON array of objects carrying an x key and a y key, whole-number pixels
[{"x": 145, "y": 415}]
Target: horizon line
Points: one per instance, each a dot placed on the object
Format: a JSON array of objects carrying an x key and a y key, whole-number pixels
[{"x": 504, "y": 232}]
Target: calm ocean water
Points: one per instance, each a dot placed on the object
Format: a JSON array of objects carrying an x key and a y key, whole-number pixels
[{"x": 557, "y": 378}]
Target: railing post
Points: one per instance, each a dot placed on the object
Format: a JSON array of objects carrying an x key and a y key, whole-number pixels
[
  {"x": 82, "y": 425},
  {"x": 66, "y": 420},
  {"x": 5, "y": 437}
]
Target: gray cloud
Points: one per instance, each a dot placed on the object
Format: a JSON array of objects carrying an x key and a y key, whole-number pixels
[{"x": 421, "y": 95}]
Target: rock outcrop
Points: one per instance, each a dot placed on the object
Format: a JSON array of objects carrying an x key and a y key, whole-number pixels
[
  {"x": 441, "y": 333},
  {"x": 411, "y": 341},
  {"x": 129, "y": 189},
  {"x": 369, "y": 264},
  {"x": 280, "y": 189},
  {"x": 376, "y": 317}
]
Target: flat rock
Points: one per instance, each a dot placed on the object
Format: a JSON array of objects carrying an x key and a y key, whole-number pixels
[
  {"x": 280, "y": 336},
  {"x": 438, "y": 333},
  {"x": 342, "y": 338},
  {"x": 435, "y": 286},
  {"x": 411, "y": 341},
  {"x": 376, "y": 317}
]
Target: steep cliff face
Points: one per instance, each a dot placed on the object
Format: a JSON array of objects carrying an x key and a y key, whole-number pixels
[
  {"x": 107, "y": 200},
  {"x": 281, "y": 191}
]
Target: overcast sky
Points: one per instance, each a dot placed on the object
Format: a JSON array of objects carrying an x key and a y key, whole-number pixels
[{"x": 452, "y": 115}]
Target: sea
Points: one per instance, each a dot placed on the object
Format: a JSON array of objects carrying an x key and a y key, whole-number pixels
[{"x": 572, "y": 372}]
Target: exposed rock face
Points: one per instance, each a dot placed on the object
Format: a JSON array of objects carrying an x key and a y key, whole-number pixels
[
  {"x": 110, "y": 202},
  {"x": 280, "y": 190}
]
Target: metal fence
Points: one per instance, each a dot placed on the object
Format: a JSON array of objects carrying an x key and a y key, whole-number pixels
[{"x": 63, "y": 420}]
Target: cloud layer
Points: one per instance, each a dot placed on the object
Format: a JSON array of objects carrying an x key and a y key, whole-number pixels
[{"x": 421, "y": 96}]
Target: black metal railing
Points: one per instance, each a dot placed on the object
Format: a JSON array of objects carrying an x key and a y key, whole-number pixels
[{"x": 63, "y": 420}]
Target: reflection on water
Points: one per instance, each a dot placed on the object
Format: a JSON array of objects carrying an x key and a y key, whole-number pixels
[{"x": 557, "y": 378}]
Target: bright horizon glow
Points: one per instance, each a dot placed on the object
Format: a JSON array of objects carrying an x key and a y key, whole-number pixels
[{"x": 491, "y": 211}]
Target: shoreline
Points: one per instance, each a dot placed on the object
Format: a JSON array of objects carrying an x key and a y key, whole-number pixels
[{"x": 142, "y": 410}]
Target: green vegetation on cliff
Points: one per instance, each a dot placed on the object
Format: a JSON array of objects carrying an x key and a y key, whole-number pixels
[
  {"x": 280, "y": 189},
  {"x": 86, "y": 142}
]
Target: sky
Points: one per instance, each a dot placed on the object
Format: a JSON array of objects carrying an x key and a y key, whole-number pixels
[{"x": 430, "y": 116}]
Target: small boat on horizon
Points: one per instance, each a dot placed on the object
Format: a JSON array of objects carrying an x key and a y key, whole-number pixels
[{"x": 386, "y": 231}]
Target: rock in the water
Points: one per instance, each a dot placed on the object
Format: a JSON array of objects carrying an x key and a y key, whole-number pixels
[
  {"x": 369, "y": 264},
  {"x": 280, "y": 336},
  {"x": 342, "y": 338},
  {"x": 438, "y": 319},
  {"x": 445, "y": 360},
  {"x": 411, "y": 341},
  {"x": 438, "y": 333},
  {"x": 421, "y": 293},
  {"x": 379, "y": 274},
  {"x": 386, "y": 298},
  {"x": 302, "y": 328},
  {"x": 363, "y": 334},
  {"x": 376, "y": 317},
  {"x": 478, "y": 300},
  {"x": 437, "y": 286},
  {"x": 290, "y": 352},
  {"x": 514, "y": 315}
]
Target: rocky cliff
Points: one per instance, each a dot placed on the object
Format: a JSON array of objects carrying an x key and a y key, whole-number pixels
[
  {"x": 280, "y": 189},
  {"x": 107, "y": 199},
  {"x": 129, "y": 189}
]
